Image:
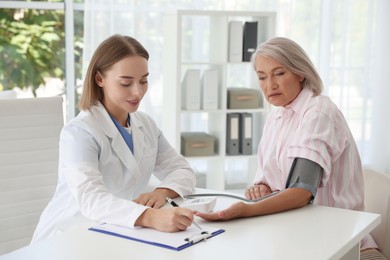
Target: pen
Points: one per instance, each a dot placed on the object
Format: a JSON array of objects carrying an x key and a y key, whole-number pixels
[{"x": 174, "y": 204}]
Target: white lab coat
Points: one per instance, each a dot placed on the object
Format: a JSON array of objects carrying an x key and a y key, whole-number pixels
[{"x": 99, "y": 176}]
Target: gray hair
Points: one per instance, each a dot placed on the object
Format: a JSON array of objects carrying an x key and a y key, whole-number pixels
[{"x": 294, "y": 58}]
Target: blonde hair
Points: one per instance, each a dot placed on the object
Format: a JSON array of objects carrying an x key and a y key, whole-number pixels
[
  {"x": 294, "y": 58},
  {"x": 109, "y": 52}
]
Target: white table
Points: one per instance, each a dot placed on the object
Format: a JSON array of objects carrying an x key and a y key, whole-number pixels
[{"x": 312, "y": 232}]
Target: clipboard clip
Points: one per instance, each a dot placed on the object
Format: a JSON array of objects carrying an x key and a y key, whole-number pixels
[{"x": 196, "y": 238}]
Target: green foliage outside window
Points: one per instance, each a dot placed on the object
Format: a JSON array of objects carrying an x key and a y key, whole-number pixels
[{"x": 32, "y": 48}]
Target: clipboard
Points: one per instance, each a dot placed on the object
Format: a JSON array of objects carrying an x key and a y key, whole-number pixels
[{"x": 175, "y": 241}]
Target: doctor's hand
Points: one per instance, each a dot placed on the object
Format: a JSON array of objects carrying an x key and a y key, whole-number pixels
[
  {"x": 156, "y": 198},
  {"x": 237, "y": 210},
  {"x": 257, "y": 191},
  {"x": 166, "y": 219}
]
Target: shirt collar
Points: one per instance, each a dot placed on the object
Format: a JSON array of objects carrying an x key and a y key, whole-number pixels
[{"x": 297, "y": 105}]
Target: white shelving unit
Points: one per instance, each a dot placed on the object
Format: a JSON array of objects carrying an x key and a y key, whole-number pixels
[{"x": 182, "y": 51}]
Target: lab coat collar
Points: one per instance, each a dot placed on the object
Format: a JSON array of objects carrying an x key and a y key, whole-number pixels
[
  {"x": 138, "y": 136},
  {"x": 118, "y": 144}
]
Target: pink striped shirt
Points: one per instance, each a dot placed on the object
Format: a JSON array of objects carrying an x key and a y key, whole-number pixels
[{"x": 315, "y": 129}]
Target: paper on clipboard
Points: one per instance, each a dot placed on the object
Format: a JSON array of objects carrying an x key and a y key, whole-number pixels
[{"x": 175, "y": 241}]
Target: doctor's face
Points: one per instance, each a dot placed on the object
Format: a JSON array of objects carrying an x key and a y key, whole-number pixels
[
  {"x": 279, "y": 85},
  {"x": 124, "y": 85}
]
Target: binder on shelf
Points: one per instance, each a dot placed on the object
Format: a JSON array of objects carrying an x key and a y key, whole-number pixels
[
  {"x": 249, "y": 40},
  {"x": 232, "y": 133},
  {"x": 175, "y": 241},
  {"x": 245, "y": 144},
  {"x": 191, "y": 90},
  {"x": 236, "y": 30},
  {"x": 209, "y": 89}
]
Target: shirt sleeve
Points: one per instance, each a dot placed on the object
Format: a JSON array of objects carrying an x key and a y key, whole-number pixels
[{"x": 318, "y": 139}]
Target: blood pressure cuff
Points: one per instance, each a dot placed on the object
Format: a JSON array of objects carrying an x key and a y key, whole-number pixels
[{"x": 305, "y": 174}]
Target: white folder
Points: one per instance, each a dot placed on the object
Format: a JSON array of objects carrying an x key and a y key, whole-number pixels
[
  {"x": 210, "y": 89},
  {"x": 236, "y": 32},
  {"x": 191, "y": 90}
]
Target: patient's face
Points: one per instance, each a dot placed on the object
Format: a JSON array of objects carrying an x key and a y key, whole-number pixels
[{"x": 279, "y": 85}]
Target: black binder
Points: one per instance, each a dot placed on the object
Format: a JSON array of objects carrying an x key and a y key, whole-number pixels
[
  {"x": 245, "y": 144},
  {"x": 232, "y": 133},
  {"x": 249, "y": 40}
]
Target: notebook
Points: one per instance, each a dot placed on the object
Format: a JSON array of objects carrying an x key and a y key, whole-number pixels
[{"x": 175, "y": 241}]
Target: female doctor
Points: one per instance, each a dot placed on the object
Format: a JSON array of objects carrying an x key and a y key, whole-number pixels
[{"x": 109, "y": 151}]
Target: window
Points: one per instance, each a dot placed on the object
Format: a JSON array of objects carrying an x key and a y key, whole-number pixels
[
  {"x": 33, "y": 49},
  {"x": 345, "y": 39}
]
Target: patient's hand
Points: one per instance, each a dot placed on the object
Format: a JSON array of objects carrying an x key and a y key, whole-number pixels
[
  {"x": 237, "y": 210},
  {"x": 257, "y": 191}
]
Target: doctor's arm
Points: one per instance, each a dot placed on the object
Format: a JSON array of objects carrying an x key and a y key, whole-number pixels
[
  {"x": 155, "y": 198},
  {"x": 166, "y": 219},
  {"x": 176, "y": 176}
]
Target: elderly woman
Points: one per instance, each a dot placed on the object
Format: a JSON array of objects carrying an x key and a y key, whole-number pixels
[{"x": 307, "y": 153}]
